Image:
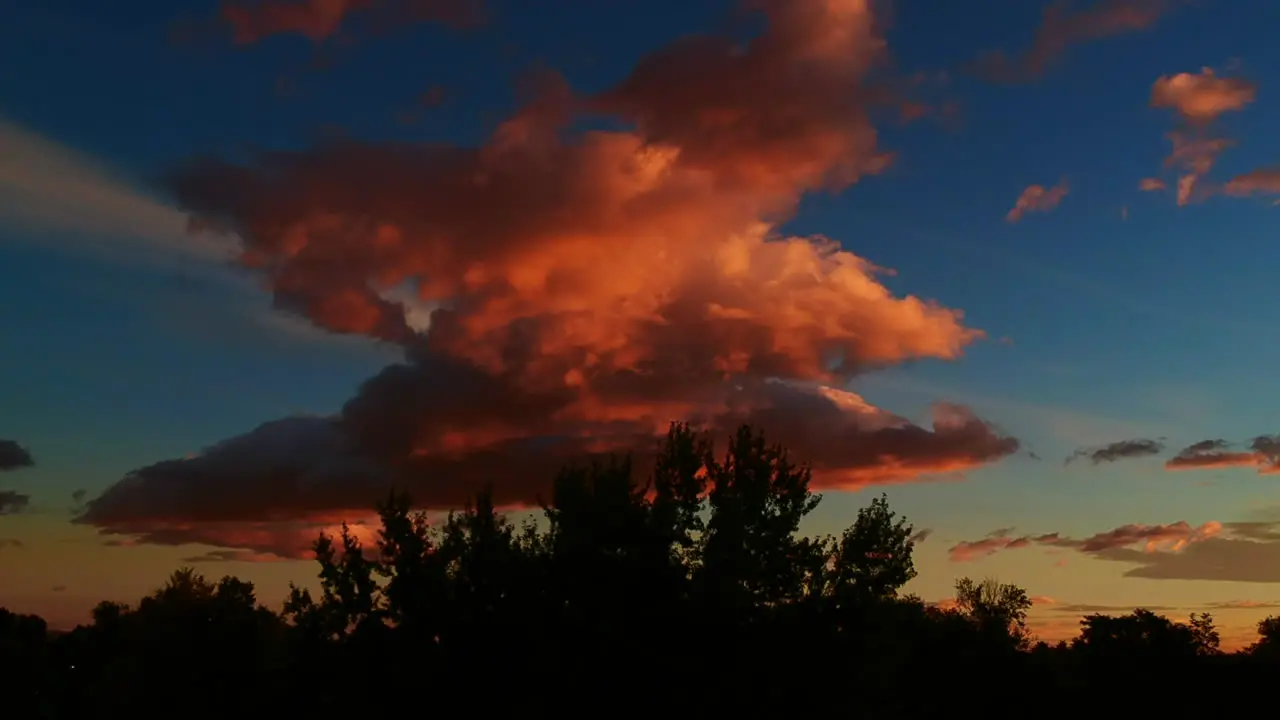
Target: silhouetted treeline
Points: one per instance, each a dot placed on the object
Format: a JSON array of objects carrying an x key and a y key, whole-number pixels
[{"x": 689, "y": 595}]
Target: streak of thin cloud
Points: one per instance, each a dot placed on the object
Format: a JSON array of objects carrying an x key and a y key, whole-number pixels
[
  {"x": 61, "y": 196},
  {"x": 54, "y": 196}
]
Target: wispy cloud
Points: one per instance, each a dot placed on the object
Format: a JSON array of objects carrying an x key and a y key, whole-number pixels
[
  {"x": 1119, "y": 450},
  {"x": 1197, "y": 99},
  {"x": 59, "y": 195},
  {"x": 1063, "y": 26},
  {"x": 54, "y": 196}
]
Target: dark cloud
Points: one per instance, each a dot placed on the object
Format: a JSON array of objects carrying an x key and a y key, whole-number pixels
[
  {"x": 13, "y": 456},
  {"x": 11, "y": 543},
  {"x": 921, "y": 535},
  {"x": 300, "y": 473},
  {"x": 12, "y": 502},
  {"x": 1119, "y": 450}
]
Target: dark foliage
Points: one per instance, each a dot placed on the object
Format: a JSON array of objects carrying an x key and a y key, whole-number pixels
[{"x": 688, "y": 595}]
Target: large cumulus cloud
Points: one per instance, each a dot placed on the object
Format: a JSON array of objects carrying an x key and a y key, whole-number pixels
[{"x": 588, "y": 289}]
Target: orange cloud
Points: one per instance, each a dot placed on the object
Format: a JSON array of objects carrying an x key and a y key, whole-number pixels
[
  {"x": 997, "y": 540},
  {"x": 1201, "y": 97},
  {"x": 250, "y": 541},
  {"x": 1152, "y": 185},
  {"x": 1060, "y": 28},
  {"x": 1263, "y": 453},
  {"x": 320, "y": 19},
  {"x": 1198, "y": 99},
  {"x": 588, "y": 289},
  {"x": 1174, "y": 537},
  {"x": 1265, "y": 181},
  {"x": 1037, "y": 198}
]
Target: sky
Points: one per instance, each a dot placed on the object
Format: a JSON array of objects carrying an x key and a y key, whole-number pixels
[{"x": 261, "y": 260}]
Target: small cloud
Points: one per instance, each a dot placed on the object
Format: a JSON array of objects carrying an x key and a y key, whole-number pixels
[
  {"x": 1196, "y": 154},
  {"x": 1242, "y": 605},
  {"x": 1124, "y": 212},
  {"x": 14, "y": 457},
  {"x": 1060, "y": 29},
  {"x": 1152, "y": 185},
  {"x": 1201, "y": 97},
  {"x": 1037, "y": 198},
  {"x": 58, "y": 588},
  {"x": 995, "y": 541},
  {"x": 1262, "y": 453},
  {"x": 1173, "y": 537},
  {"x": 921, "y": 535},
  {"x": 1198, "y": 99},
  {"x": 1120, "y": 450},
  {"x": 12, "y": 503},
  {"x": 11, "y": 544},
  {"x": 1094, "y": 609},
  {"x": 233, "y": 555},
  {"x": 1264, "y": 181}
]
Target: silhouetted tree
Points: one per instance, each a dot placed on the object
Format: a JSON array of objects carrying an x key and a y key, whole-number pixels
[
  {"x": 999, "y": 609},
  {"x": 690, "y": 592},
  {"x": 873, "y": 558},
  {"x": 1268, "y": 644}
]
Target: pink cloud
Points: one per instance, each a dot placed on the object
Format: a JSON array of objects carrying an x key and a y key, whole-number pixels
[
  {"x": 1061, "y": 28},
  {"x": 1265, "y": 181},
  {"x": 1037, "y": 198},
  {"x": 1173, "y": 537},
  {"x": 1202, "y": 97}
]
